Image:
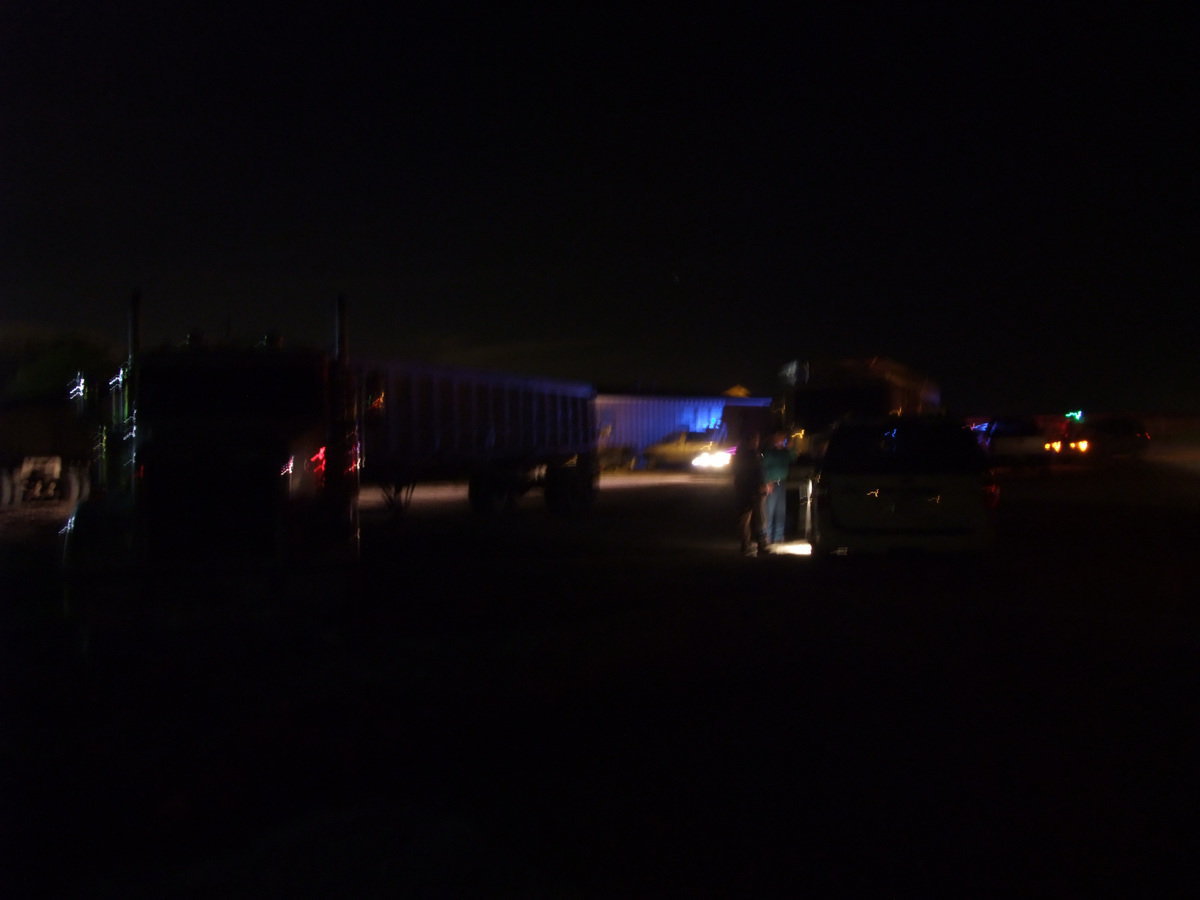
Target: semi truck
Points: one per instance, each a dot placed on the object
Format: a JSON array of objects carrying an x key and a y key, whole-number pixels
[
  {"x": 503, "y": 433},
  {"x": 241, "y": 453},
  {"x": 815, "y": 395}
]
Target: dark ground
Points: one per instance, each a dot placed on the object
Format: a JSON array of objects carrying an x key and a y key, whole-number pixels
[{"x": 622, "y": 706}]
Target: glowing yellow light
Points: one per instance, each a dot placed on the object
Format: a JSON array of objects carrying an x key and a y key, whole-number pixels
[
  {"x": 792, "y": 548},
  {"x": 717, "y": 460}
]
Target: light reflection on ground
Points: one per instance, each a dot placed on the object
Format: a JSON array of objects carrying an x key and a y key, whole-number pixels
[
  {"x": 792, "y": 548},
  {"x": 371, "y": 497},
  {"x": 450, "y": 493}
]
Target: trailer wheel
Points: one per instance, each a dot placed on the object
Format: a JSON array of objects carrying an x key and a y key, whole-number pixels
[
  {"x": 571, "y": 488},
  {"x": 75, "y": 485},
  {"x": 490, "y": 493},
  {"x": 15, "y": 488}
]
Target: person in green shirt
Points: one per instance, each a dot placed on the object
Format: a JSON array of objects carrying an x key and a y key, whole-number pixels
[{"x": 777, "y": 460}]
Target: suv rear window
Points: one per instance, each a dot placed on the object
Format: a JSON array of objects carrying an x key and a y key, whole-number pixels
[
  {"x": 1116, "y": 426},
  {"x": 903, "y": 448},
  {"x": 1015, "y": 428}
]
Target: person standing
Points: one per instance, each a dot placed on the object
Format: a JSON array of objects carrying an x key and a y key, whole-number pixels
[
  {"x": 777, "y": 461},
  {"x": 749, "y": 492}
]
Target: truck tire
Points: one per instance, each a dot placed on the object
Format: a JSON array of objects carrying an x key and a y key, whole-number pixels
[
  {"x": 571, "y": 488},
  {"x": 75, "y": 485},
  {"x": 16, "y": 492},
  {"x": 490, "y": 493}
]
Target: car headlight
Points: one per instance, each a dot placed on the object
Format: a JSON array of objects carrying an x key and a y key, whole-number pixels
[{"x": 712, "y": 460}]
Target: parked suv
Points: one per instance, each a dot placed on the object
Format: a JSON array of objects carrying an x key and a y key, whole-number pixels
[{"x": 901, "y": 483}]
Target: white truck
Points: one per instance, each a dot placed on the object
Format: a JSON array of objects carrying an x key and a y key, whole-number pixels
[{"x": 45, "y": 448}]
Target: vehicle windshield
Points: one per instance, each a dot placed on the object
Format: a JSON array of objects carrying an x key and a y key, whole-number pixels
[
  {"x": 903, "y": 448},
  {"x": 685, "y": 437},
  {"x": 263, "y": 388},
  {"x": 1015, "y": 428},
  {"x": 1116, "y": 426}
]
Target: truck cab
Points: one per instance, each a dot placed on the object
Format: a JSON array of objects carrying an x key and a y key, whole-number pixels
[{"x": 223, "y": 455}]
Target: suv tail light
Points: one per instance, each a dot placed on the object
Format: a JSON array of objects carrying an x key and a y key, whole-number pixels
[{"x": 991, "y": 495}]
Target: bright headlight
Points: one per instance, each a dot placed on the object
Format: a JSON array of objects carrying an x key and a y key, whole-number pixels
[{"x": 716, "y": 460}]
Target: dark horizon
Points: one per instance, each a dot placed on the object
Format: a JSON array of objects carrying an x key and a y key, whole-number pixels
[{"x": 997, "y": 199}]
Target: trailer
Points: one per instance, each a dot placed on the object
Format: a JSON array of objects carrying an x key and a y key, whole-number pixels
[
  {"x": 503, "y": 433},
  {"x": 815, "y": 395}
]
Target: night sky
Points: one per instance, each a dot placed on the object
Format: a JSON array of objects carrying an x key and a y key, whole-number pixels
[{"x": 1002, "y": 195}]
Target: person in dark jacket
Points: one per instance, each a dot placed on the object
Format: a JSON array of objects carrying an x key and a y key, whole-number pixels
[{"x": 750, "y": 493}]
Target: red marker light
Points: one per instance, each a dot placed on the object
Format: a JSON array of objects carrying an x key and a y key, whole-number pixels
[{"x": 991, "y": 495}]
